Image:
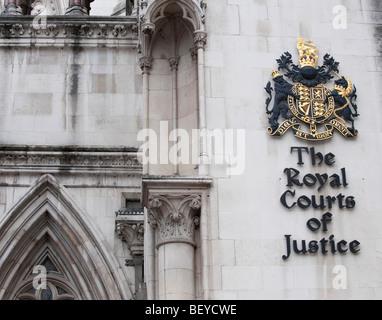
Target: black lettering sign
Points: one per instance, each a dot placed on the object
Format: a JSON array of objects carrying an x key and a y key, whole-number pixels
[{"x": 322, "y": 181}]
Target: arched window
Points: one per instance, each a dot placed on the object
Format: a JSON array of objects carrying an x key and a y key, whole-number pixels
[{"x": 46, "y": 282}]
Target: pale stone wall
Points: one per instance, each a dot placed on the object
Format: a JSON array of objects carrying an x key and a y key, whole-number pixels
[
  {"x": 248, "y": 221},
  {"x": 70, "y": 96},
  {"x": 74, "y": 99},
  {"x": 98, "y": 192},
  {"x": 92, "y": 95}
]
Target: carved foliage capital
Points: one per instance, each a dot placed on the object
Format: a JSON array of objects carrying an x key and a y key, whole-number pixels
[
  {"x": 200, "y": 39},
  {"x": 133, "y": 234},
  {"x": 146, "y": 63},
  {"x": 175, "y": 217},
  {"x": 148, "y": 28},
  {"x": 174, "y": 63}
]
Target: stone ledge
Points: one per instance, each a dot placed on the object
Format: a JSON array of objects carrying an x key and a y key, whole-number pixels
[
  {"x": 173, "y": 186},
  {"x": 87, "y": 31},
  {"x": 68, "y": 158}
]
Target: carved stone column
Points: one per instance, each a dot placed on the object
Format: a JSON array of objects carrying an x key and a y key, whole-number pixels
[
  {"x": 146, "y": 64},
  {"x": 129, "y": 226},
  {"x": 174, "y": 64},
  {"x": 79, "y": 7},
  {"x": 174, "y": 208},
  {"x": 200, "y": 40},
  {"x": 175, "y": 218},
  {"x": 12, "y": 7}
]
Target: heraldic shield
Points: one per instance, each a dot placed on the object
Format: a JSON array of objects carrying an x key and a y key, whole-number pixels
[{"x": 308, "y": 101}]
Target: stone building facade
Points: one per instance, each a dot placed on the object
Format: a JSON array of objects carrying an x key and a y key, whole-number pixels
[{"x": 136, "y": 160}]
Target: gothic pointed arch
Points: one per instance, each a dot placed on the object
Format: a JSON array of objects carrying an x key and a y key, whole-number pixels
[
  {"x": 188, "y": 13},
  {"x": 46, "y": 228},
  {"x": 191, "y": 11}
]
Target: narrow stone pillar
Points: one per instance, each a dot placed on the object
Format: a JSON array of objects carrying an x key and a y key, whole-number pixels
[
  {"x": 175, "y": 218},
  {"x": 150, "y": 259},
  {"x": 174, "y": 63},
  {"x": 200, "y": 39},
  {"x": 79, "y": 7},
  {"x": 146, "y": 65}
]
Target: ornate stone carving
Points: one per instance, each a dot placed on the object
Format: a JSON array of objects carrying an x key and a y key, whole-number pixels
[
  {"x": 200, "y": 39},
  {"x": 52, "y": 29},
  {"x": 119, "y": 29},
  {"x": 203, "y": 6},
  {"x": 143, "y": 4},
  {"x": 133, "y": 234},
  {"x": 195, "y": 203},
  {"x": 130, "y": 228},
  {"x": 91, "y": 30},
  {"x": 175, "y": 217},
  {"x": 56, "y": 158},
  {"x": 38, "y": 6},
  {"x": 194, "y": 54},
  {"x": 174, "y": 63},
  {"x": 16, "y": 29},
  {"x": 146, "y": 63},
  {"x": 148, "y": 28}
]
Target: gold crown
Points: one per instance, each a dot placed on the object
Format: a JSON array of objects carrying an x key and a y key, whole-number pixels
[
  {"x": 308, "y": 53},
  {"x": 275, "y": 73}
]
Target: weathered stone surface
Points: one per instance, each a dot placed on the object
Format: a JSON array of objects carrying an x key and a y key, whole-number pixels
[{"x": 75, "y": 95}]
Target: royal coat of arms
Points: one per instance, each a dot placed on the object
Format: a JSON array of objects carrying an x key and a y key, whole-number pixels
[{"x": 308, "y": 102}]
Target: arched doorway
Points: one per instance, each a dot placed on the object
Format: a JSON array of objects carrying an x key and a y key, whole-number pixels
[{"x": 47, "y": 231}]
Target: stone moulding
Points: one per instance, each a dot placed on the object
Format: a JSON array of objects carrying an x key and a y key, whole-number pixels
[
  {"x": 69, "y": 158},
  {"x": 68, "y": 31}
]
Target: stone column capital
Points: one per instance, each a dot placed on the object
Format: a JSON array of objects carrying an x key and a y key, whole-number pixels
[
  {"x": 129, "y": 227},
  {"x": 175, "y": 216},
  {"x": 200, "y": 39},
  {"x": 146, "y": 63},
  {"x": 132, "y": 234},
  {"x": 148, "y": 28},
  {"x": 174, "y": 63}
]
